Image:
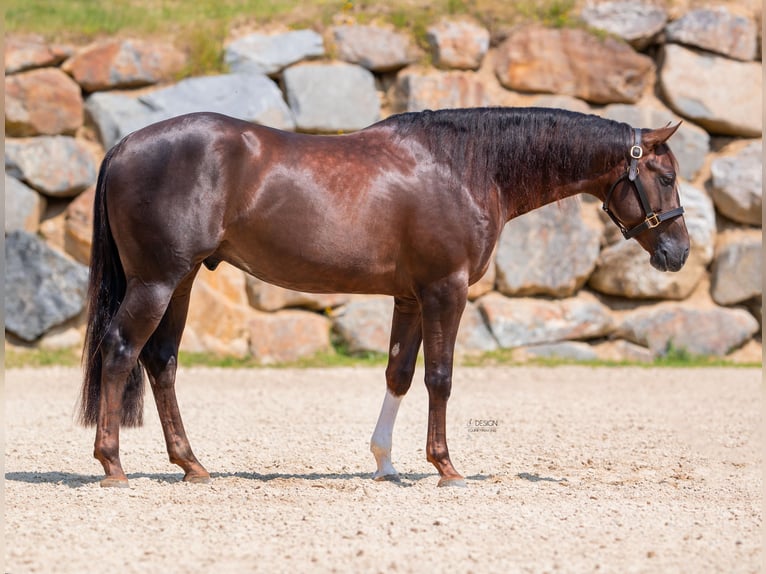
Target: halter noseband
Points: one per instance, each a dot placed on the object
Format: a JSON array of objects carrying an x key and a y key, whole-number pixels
[{"x": 652, "y": 219}]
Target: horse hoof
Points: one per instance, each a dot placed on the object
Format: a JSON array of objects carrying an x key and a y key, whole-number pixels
[
  {"x": 198, "y": 479},
  {"x": 456, "y": 482},
  {"x": 115, "y": 483},
  {"x": 387, "y": 478}
]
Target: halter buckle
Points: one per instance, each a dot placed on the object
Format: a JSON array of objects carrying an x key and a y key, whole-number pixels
[
  {"x": 653, "y": 221},
  {"x": 636, "y": 152}
]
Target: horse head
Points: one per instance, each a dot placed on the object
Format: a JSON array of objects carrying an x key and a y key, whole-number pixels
[{"x": 644, "y": 201}]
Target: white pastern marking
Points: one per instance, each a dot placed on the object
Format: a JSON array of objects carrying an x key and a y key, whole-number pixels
[{"x": 380, "y": 444}]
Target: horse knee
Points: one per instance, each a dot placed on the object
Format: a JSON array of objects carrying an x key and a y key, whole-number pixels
[
  {"x": 439, "y": 383},
  {"x": 117, "y": 353},
  {"x": 399, "y": 378}
]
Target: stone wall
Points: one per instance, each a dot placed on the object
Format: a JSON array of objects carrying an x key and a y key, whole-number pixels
[{"x": 563, "y": 282}]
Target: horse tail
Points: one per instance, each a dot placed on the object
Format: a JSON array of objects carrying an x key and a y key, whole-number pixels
[{"x": 106, "y": 290}]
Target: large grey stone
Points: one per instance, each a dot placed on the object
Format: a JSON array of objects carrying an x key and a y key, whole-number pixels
[
  {"x": 699, "y": 331},
  {"x": 690, "y": 144},
  {"x": 58, "y": 166},
  {"x": 250, "y": 97},
  {"x": 549, "y": 251},
  {"x": 736, "y": 273},
  {"x": 623, "y": 268},
  {"x": 737, "y": 184},
  {"x": 42, "y": 287},
  {"x": 637, "y": 23},
  {"x": 331, "y": 98},
  {"x": 473, "y": 335},
  {"x": 721, "y": 95},
  {"x": 375, "y": 48},
  {"x": 271, "y": 53},
  {"x": 718, "y": 30},
  {"x": 517, "y": 322},
  {"x": 23, "y": 206}
]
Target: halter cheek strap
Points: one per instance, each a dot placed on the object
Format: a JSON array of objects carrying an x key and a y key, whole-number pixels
[{"x": 652, "y": 219}]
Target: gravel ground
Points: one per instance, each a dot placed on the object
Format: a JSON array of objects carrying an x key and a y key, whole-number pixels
[{"x": 588, "y": 469}]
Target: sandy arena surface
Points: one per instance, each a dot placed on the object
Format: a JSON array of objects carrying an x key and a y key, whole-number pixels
[{"x": 588, "y": 470}]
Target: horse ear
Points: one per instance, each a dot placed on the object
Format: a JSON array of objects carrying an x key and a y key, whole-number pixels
[{"x": 654, "y": 138}]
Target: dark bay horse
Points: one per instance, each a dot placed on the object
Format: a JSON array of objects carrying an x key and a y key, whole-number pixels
[{"x": 410, "y": 207}]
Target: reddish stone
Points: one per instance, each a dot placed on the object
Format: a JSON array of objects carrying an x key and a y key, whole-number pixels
[
  {"x": 124, "y": 64},
  {"x": 42, "y": 102},
  {"x": 27, "y": 52},
  {"x": 573, "y": 62}
]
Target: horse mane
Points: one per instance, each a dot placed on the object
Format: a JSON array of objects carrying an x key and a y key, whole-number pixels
[{"x": 522, "y": 151}]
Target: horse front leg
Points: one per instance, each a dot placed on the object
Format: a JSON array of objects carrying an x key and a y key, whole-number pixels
[
  {"x": 406, "y": 335},
  {"x": 442, "y": 304}
]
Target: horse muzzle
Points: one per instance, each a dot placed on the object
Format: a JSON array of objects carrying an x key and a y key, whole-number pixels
[{"x": 670, "y": 256}]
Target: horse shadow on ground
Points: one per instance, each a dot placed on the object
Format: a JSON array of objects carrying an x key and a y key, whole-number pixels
[{"x": 74, "y": 480}]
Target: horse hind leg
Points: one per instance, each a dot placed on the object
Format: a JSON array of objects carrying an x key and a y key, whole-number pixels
[
  {"x": 402, "y": 355},
  {"x": 121, "y": 390},
  {"x": 160, "y": 357}
]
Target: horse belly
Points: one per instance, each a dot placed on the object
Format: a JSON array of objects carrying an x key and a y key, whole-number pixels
[{"x": 333, "y": 256}]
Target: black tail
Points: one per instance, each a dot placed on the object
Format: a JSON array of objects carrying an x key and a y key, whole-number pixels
[{"x": 106, "y": 290}]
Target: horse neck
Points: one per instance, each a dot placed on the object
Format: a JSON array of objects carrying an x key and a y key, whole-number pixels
[{"x": 547, "y": 173}]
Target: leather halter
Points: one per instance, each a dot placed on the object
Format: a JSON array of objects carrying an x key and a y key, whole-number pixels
[{"x": 652, "y": 219}]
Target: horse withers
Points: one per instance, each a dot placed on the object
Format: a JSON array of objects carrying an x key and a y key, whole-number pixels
[{"x": 411, "y": 207}]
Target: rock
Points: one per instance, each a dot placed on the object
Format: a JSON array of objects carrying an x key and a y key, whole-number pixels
[
  {"x": 736, "y": 272},
  {"x": 572, "y": 62},
  {"x": 253, "y": 98},
  {"x": 737, "y": 184},
  {"x": 419, "y": 89},
  {"x": 562, "y": 102},
  {"x": 218, "y": 319},
  {"x": 331, "y": 98},
  {"x": 623, "y": 269},
  {"x": 364, "y": 325},
  {"x": 288, "y": 336},
  {"x": 116, "y": 63},
  {"x": 690, "y": 144},
  {"x": 622, "y": 351},
  {"x": 698, "y": 86},
  {"x": 58, "y": 166},
  {"x": 717, "y": 30},
  {"x": 270, "y": 54},
  {"x": 42, "y": 102},
  {"x": 670, "y": 326},
  {"x": 566, "y": 350},
  {"x": 78, "y": 226},
  {"x": 267, "y": 297},
  {"x": 28, "y": 52},
  {"x": 549, "y": 251},
  {"x": 377, "y": 49},
  {"x": 473, "y": 335},
  {"x": 42, "y": 287},
  {"x": 517, "y": 322},
  {"x": 637, "y": 23},
  {"x": 458, "y": 44},
  {"x": 23, "y": 206}
]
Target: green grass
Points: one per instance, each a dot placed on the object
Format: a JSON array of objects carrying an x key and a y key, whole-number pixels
[{"x": 340, "y": 357}]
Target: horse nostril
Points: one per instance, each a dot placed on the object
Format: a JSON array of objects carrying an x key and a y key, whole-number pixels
[{"x": 685, "y": 255}]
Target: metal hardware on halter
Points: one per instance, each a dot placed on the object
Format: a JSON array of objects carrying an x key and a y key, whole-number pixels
[{"x": 652, "y": 219}]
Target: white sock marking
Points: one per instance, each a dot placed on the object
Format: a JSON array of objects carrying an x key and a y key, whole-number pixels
[{"x": 380, "y": 444}]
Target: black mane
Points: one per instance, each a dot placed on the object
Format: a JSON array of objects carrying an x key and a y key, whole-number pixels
[{"x": 518, "y": 150}]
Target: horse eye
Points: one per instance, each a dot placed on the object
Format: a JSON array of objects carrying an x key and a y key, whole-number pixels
[{"x": 668, "y": 179}]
